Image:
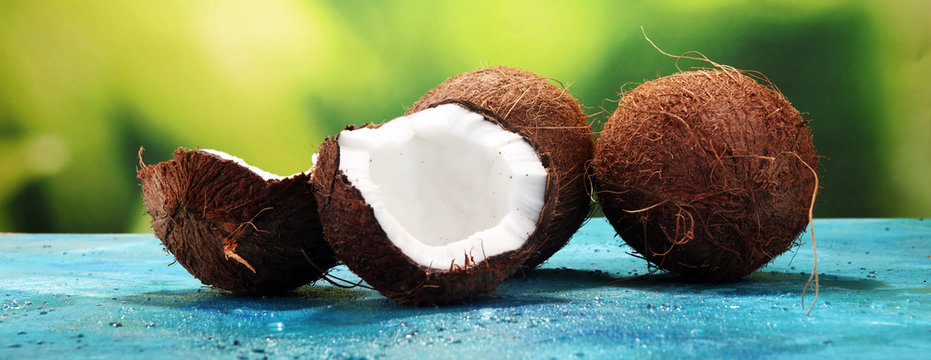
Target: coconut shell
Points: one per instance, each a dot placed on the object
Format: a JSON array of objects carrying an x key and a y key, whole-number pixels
[
  {"x": 552, "y": 119},
  {"x": 233, "y": 230},
  {"x": 359, "y": 241},
  {"x": 707, "y": 174}
]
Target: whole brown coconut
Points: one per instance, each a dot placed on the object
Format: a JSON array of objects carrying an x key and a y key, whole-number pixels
[
  {"x": 233, "y": 229},
  {"x": 707, "y": 174},
  {"x": 548, "y": 115}
]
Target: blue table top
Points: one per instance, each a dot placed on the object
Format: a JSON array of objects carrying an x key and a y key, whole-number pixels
[{"x": 108, "y": 296}]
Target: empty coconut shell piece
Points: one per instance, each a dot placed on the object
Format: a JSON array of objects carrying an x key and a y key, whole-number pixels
[
  {"x": 707, "y": 174},
  {"x": 233, "y": 226}
]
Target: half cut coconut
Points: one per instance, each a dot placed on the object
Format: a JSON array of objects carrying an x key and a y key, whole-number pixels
[
  {"x": 448, "y": 187},
  {"x": 550, "y": 116},
  {"x": 435, "y": 206}
]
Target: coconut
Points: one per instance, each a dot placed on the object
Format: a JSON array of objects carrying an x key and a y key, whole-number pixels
[
  {"x": 483, "y": 177},
  {"x": 234, "y": 226},
  {"x": 707, "y": 174},
  {"x": 443, "y": 204},
  {"x": 552, "y": 119}
]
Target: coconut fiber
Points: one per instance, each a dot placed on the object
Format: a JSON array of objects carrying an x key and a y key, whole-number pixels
[
  {"x": 232, "y": 229},
  {"x": 552, "y": 119},
  {"x": 707, "y": 174}
]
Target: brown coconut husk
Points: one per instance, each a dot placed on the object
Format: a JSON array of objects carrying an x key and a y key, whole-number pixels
[
  {"x": 707, "y": 174},
  {"x": 359, "y": 241},
  {"x": 549, "y": 116},
  {"x": 233, "y": 230}
]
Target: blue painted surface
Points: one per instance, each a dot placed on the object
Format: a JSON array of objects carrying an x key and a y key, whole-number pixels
[{"x": 109, "y": 296}]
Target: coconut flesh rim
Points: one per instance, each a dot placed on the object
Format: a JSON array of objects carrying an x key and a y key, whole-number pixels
[
  {"x": 265, "y": 175},
  {"x": 448, "y": 187}
]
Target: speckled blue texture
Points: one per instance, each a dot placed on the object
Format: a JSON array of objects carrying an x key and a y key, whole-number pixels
[{"x": 115, "y": 296}]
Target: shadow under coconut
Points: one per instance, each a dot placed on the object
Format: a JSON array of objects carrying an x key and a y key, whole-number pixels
[
  {"x": 378, "y": 308},
  {"x": 208, "y": 298},
  {"x": 755, "y": 284},
  {"x": 774, "y": 283},
  {"x": 540, "y": 287},
  {"x": 551, "y": 280},
  {"x": 827, "y": 281}
]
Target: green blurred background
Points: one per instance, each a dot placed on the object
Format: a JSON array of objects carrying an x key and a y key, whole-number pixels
[{"x": 84, "y": 84}]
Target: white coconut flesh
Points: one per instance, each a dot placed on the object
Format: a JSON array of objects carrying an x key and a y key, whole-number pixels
[
  {"x": 448, "y": 187},
  {"x": 265, "y": 175}
]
